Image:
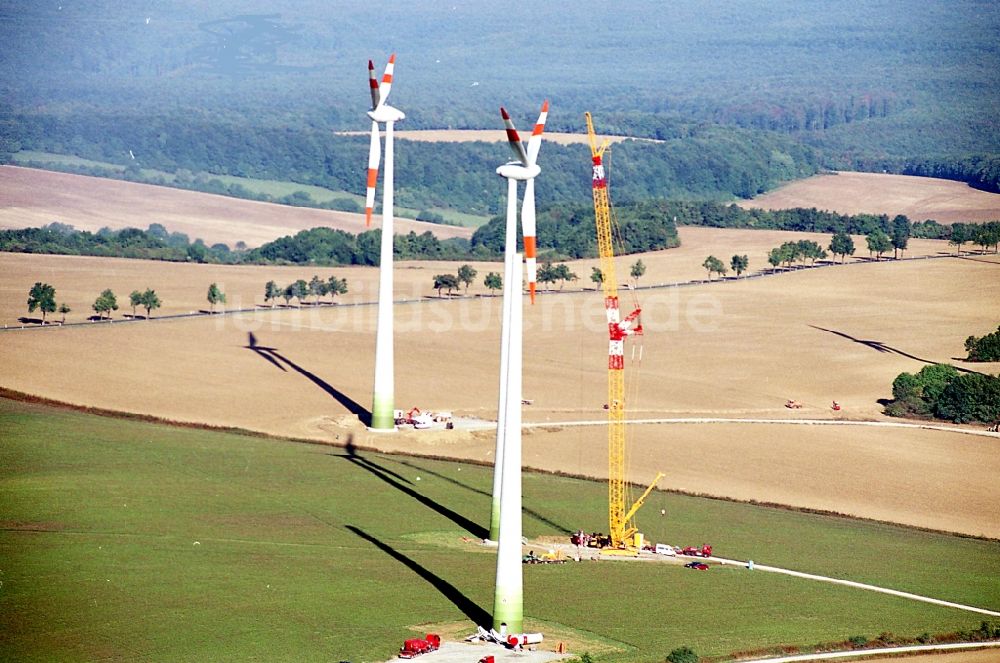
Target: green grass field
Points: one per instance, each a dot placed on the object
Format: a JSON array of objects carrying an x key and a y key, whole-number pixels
[{"x": 124, "y": 540}]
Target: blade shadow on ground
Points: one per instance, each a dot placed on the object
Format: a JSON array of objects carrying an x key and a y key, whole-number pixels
[
  {"x": 879, "y": 346},
  {"x": 397, "y": 482},
  {"x": 274, "y": 357},
  {"x": 532, "y": 513},
  {"x": 474, "y": 612}
]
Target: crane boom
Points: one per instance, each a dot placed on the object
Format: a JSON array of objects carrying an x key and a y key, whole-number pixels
[{"x": 620, "y": 519}]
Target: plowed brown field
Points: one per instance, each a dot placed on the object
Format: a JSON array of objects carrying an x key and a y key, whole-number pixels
[
  {"x": 919, "y": 198},
  {"x": 31, "y": 198},
  {"x": 733, "y": 349}
]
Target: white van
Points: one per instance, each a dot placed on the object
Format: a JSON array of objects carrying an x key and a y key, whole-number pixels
[{"x": 663, "y": 549}]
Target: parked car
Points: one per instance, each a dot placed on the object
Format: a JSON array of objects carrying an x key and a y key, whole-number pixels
[{"x": 698, "y": 566}]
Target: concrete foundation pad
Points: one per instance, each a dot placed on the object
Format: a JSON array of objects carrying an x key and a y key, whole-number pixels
[{"x": 471, "y": 652}]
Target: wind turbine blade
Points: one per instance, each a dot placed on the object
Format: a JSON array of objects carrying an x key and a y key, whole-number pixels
[
  {"x": 374, "y": 154},
  {"x": 386, "y": 85},
  {"x": 373, "y": 84},
  {"x": 513, "y": 138},
  {"x": 528, "y": 228},
  {"x": 535, "y": 142}
]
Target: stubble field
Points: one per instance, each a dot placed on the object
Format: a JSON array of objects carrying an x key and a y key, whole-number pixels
[{"x": 737, "y": 349}]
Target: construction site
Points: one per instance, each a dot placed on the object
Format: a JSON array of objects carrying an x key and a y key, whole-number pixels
[{"x": 628, "y": 469}]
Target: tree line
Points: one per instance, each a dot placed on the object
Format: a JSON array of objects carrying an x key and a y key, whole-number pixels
[
  {"x": 942, "y": 392},
  {"x": 301, "y": 289},
  {"x": 42, "y": 297},
  {"x": 564, "y": 232}
]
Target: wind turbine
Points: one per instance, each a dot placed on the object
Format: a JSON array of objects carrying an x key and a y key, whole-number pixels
[
  {"x": 383, "y": 113},
  {"x": 505, "y": 518}
]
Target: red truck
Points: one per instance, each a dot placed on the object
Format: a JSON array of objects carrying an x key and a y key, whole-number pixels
[
  {"x": 417, "y": 646},
  {"x": 704, "y": 551}
]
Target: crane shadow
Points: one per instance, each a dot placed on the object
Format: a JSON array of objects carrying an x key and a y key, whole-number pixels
[
  {"x": 530, "y": 512},
  {"x": 274, "y": 357},
  {"x": 469, "y": 608},
  {"x": 400, "y": 483},
  {"x": 879, "y": 346}
]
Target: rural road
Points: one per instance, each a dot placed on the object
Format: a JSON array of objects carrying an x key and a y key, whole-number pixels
[{"x": 860, "y": 585}]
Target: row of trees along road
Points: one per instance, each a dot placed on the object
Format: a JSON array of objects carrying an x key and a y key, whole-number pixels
[
  {"x": 301, "y": 289},
  {"x": 42, "y": 297},
  {"x": 738, "y": 264},
  {"x": 466, "y": 275}
]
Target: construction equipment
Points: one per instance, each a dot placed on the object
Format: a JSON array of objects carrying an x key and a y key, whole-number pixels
[
  {"x": 621, "y": 518},
  {"x": 417, "y": 646},
  {"x": 704, "y": 551}
]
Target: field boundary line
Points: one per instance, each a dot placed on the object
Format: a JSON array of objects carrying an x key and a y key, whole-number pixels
[
  {"x": 803, "y": 422},
  {"x": 916, "y": 649},
  {"x": 861, "y": 585}
]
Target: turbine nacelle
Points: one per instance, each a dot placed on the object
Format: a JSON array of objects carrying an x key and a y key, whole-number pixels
[
  {"x": 515, "y": 170},
  {"x": 386, "y": 113}
]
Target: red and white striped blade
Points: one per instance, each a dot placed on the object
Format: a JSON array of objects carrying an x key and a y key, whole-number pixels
[
  {"x": 386, "y": 85},
  {"x": 373, "y": 84},
  {"x": 374, "y": 154},
  {"x": 528, "y": 228},
  {"x": 535, "y": 142},
  {"x": 513, "y": 139}
]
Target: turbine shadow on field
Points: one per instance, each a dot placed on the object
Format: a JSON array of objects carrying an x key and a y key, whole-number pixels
[
  {"x": 879, "y": 346},
  {"x": 396, "y": 481},
  {"x": 534, "y": 514},
  {"x": 277, "y": 359},
  {"x": 471, "y": 610}
]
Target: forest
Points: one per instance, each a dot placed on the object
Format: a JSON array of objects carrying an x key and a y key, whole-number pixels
[
  {"x": 743, "y": 95},
  {"x": 564, "y": 232}
]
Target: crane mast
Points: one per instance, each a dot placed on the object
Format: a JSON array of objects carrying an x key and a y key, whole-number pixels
[{"x": 621, "y": 520}]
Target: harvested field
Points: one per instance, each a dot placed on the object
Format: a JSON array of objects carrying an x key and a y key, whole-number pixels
[
  {"x": 919, "y": 198},
  {"x": 182, "y": 287},
  {"x": 736, "y": 349},
  {"x": 32, "y": 198}
]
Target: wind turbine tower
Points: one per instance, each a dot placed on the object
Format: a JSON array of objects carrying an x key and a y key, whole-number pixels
[
  {"x": 505, "y": 519},
  {"x": 382, "y": 113}
]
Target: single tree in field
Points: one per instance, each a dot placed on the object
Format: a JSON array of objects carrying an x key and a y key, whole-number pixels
[
  {"x": 546, "y": 273},
  {"x": 774, "y": 258},
  {"x": 960, "y": 234},
  {"x": 43, "y": 297},
  {"x": 300, "y": 290},
  {"x": 271, "y": 292},
  {"x": 288, "y": 293},
  {"x": 445, "y": 281},
  {"x": 63, "y": 309},
  {"x": 215, "y": 296},
  {"x": 336, "y": 286},
  {"x": 106, "y": 302},
  {"x": 150, "y": 301},
  {"x": 493, "y": 281},
  {"x": 563, "y": 273},
  {"x": 878, "y": 242},
  {"x": 596, "y": 275},
  {"x": 466, "y": 274},
  {"x": 900, "y": 234},
  {"x": 739, "y": 264},
  {"x": 317, "y": 288},
  {"x": 842, "y": 245},
  {"x": 714, "y": 265},
  {"x": 135, "y": 299},
  {"x": 638, "y": 269}
]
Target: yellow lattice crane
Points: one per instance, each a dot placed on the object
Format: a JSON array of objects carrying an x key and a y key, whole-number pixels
[{"x": 621, "y": 518}]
